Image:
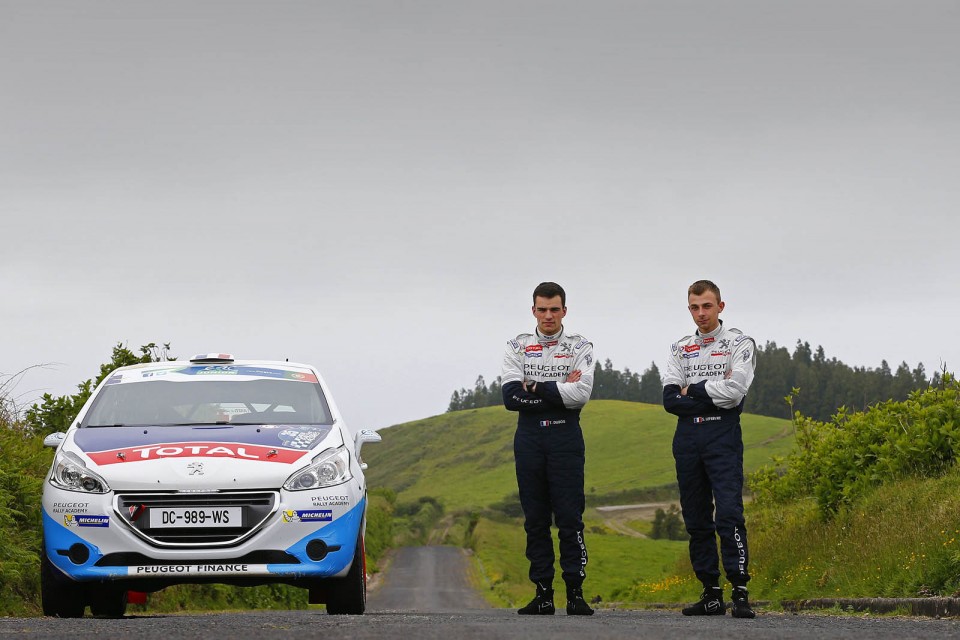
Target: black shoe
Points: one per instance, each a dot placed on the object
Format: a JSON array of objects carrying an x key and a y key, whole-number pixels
[
  {"x": 542, "y": 603},
  {"x": 741, "y": 607},
  {"x": 711, "y": 604},
  {"x": 576, "y": 605}
]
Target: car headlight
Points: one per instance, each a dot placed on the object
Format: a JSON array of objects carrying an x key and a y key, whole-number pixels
[
  {"x": 71, "y": 473},
  {"x": 329, "y": 468}
]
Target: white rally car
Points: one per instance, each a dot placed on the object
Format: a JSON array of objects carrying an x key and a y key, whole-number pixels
[{"x": 212, "y": 470}]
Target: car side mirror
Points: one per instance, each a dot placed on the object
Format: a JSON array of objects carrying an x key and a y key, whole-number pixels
[
  {"x": 54, "y": 439},
  {"x": 365, "y": 435}
]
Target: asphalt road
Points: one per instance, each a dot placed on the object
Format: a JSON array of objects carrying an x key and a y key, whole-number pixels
[
  {"x": 426, "y": 579},
  {"x": 425, "y": 595}
]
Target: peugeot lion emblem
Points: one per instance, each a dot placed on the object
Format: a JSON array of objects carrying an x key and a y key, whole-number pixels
[{"x": 196, "y": 468}]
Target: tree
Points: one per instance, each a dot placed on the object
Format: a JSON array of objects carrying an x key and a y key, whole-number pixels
[
  {"x": 651, "y": 388},
  {"x": 668, "y": 525},
  {"x": 54, "y": 414}
]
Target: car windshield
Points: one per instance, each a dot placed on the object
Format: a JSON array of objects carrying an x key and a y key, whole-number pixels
[{"x": 166, "y": 402}]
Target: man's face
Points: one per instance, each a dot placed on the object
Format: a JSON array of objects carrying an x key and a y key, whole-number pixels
[
  {"x": 705, "y": 310},
  {"x": 549, "y": 313}
]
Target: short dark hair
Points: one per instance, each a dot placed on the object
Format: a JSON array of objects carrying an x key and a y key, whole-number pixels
[
  {"x": 700, "y": 287},
  {"x": 550, "y": 290}
]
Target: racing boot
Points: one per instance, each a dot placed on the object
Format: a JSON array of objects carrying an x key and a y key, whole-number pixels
[
  {"x": 542, "y": 603},
  {"x": 576, "y": 605},
  {"x": 710, "y": 604},
  {"x": 741, "y": 606}
]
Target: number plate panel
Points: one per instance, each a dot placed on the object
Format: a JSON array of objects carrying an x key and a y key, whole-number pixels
[{"x": 195, "y": 517}]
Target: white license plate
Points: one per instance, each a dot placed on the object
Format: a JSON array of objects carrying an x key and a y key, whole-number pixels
[{"x": 195, "y": 517}]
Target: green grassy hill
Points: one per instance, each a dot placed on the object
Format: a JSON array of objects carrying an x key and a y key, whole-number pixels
[
  {"x": 867, "y": 505},
  {"x": 465, "y": 458},
  {"x": 464, "y": 461}
]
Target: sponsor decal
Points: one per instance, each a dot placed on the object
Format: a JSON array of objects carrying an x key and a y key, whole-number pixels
[
  {"x": 534, "y": 354},
  {"x": 241, "y": 370},
  {"x": 331, "y": 501},
  {"x": 690, "y": 355},
  {"x": 239, "y": 434},
  {"x": 741, "y": 551},
  {"x": 64, "y": 507},
  {"x": 216, "y": 369},
  {"x": 720, "y": 354},
  {"x": 583, "y": 553},
  {"x": 740, "y": 339},
  {"x": 80, "y": 520},
  {"x": 691, "y": 347},
  {"x": 300, "y": 438},
  {"x": 196, "y": 450},
  {"x": 515, "y": 345},
  {"x": 702, "y": 419},
  {"x": 589, "y": 360},
  {"x": 302, "y": 377},
  {"x": 746, "y": 355},
  {"x": 193, "y": 569},
  {"x": 581, "y": 343},
  {"x": 534, "y": 347},
  {"x": 550, "y": 343},
  {"x": 723, "y": 344},
  {"x": 547, "y": 423},
  {"x": 313, "y": 515},
  {"x": 563, "y": 355},
  {"x": 565, "y": 347},
  {"x": 674, "y": 348},
  {"x": 537, "y": 369},
  {"x": 115, "y": 379},
  {"x": 705, "y": 341}
]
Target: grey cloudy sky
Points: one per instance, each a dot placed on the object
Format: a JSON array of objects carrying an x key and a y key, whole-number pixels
[{"x": 376, "y": 187}]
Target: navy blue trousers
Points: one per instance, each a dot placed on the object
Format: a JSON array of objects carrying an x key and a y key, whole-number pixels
[
  {"x": 549, "y": 464},
  {"x": 709, "y": 461}
]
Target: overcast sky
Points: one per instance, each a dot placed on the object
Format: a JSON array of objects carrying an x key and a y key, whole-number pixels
[{"x": 375, "y": 188}]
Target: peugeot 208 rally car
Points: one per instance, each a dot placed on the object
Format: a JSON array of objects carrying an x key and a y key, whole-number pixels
[{"x": 212, "y": 470}]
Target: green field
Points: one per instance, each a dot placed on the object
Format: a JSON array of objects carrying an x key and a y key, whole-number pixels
[{"x": 465, "y": 458}]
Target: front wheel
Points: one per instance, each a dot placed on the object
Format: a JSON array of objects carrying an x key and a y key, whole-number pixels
[
  {"x": 348, "y": 595},
  {"x": 60, "y": 597},
  {"x": 108, "y": 601}
]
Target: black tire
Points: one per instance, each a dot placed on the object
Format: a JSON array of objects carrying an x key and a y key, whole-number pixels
[
  {"x": 107, "y": 601},
  {"x": 60, "y": 597},
  {"x": 348, "y": 595}
]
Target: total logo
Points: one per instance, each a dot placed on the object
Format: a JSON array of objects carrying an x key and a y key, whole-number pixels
[{"x": 196, "y": 450}]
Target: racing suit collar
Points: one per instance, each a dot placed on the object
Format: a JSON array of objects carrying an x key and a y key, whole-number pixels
[
  {"x": 712, "y": 334},
  {"x": 544, "y": 338}
]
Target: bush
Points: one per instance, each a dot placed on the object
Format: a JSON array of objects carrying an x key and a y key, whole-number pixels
[
  {"x": 838, "y": 461},
  {"x": 669, "y": 525}
]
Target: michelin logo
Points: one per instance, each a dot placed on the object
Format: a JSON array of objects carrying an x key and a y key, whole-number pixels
[
  {"x": 312, "y": 515},
  {"x": 74, "y": 520}
]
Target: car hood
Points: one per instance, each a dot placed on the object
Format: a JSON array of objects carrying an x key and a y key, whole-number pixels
[{"x": 201, "y": 457}]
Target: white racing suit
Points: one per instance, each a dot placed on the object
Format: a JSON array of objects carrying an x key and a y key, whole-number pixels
[
  {"x": 548, "y": 446},
  {"x": 718, "y": 369}
]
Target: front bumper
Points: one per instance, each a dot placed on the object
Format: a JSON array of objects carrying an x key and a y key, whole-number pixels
[{"x": 310, "y": 535}]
